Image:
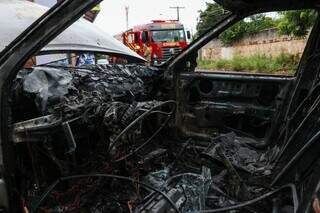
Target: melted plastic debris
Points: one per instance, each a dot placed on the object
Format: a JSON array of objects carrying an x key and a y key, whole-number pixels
[
  {"x": 238, "y": 153},
  {"x": 195, "y": 189},
  {"x": 48, "y": 84},
  {"x": 158, "y": 179},
  {"x": 192, "y": 188},
  {"x": 126, "y": 83}
]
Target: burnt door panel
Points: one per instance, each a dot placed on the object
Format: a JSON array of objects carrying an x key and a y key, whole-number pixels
[{"x": 246, "y": 104}]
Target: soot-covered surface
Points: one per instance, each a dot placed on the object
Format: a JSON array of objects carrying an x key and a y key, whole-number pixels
[{"x": 101, "y": 139}]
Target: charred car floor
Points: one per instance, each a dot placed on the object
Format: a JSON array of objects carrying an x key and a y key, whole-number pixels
[{"x": 88, "y": 142}]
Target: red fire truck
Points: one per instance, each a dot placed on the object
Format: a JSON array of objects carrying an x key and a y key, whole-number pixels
[{"x": 157, "y": 41}]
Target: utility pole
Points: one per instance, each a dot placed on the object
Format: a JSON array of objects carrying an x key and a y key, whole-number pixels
[
  {"x": 127, "y": 16},
  {"x": 178, "y": 11}
]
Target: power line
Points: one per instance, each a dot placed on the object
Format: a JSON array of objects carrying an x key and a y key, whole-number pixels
[
  {"x": 127, "y": 16},
  {"x": 178, "y": 11}
]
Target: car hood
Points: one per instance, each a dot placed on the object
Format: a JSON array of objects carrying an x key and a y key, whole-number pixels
[
  {"x": 249, "y": 6},
  {"x": 82, "y": 36}
]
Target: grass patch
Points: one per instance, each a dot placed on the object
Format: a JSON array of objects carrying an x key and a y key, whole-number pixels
[{"x": 283, "y": 64}]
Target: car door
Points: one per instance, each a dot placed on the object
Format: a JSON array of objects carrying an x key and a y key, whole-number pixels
[
  {"x": 214, "y": 102},
  {"x": 247, "y": 104}
]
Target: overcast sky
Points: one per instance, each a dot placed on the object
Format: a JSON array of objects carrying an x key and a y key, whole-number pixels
[{"x": 112, "y": 16}]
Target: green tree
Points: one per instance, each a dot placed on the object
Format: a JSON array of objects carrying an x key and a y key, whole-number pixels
[
  {"x": 234, "y": 33},
  {"x": 214, "y": 13},
  {"x": 251, "y": 25},
  {"x": 259, "y": 22},
  {"x": 207, "y": 18},
  {"x": 296, "y": 23}
]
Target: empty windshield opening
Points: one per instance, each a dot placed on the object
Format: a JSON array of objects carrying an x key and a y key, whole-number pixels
[{"x": 172, "y": 35}]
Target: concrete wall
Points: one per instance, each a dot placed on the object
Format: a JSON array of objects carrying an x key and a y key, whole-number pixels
[{"x": 266, "y": 42}]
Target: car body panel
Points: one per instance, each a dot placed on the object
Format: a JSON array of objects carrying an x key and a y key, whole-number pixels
[
  {"x": 82, "y": 36},
  {"x": 248, "y": 103}
]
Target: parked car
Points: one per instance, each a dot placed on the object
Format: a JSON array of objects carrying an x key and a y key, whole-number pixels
[{"x": 133, "y": 138}]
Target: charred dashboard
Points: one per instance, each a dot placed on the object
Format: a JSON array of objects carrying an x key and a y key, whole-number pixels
[{"x": 103, "y": 139}]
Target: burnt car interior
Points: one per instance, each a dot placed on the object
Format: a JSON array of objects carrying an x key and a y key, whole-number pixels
[{"x": 134, "y": 138}]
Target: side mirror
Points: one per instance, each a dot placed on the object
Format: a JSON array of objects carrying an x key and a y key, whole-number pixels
[
  {"x": 144, "y": 37},
  {"x": 188, "y": 35}
]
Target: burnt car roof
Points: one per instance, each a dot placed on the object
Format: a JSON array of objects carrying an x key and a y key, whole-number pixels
[
  {"x": 249, "y": 6},
  {"x": 82, "y": 36}
]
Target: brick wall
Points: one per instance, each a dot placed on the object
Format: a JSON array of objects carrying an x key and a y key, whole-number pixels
[{"x": 266, "y": 42}]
